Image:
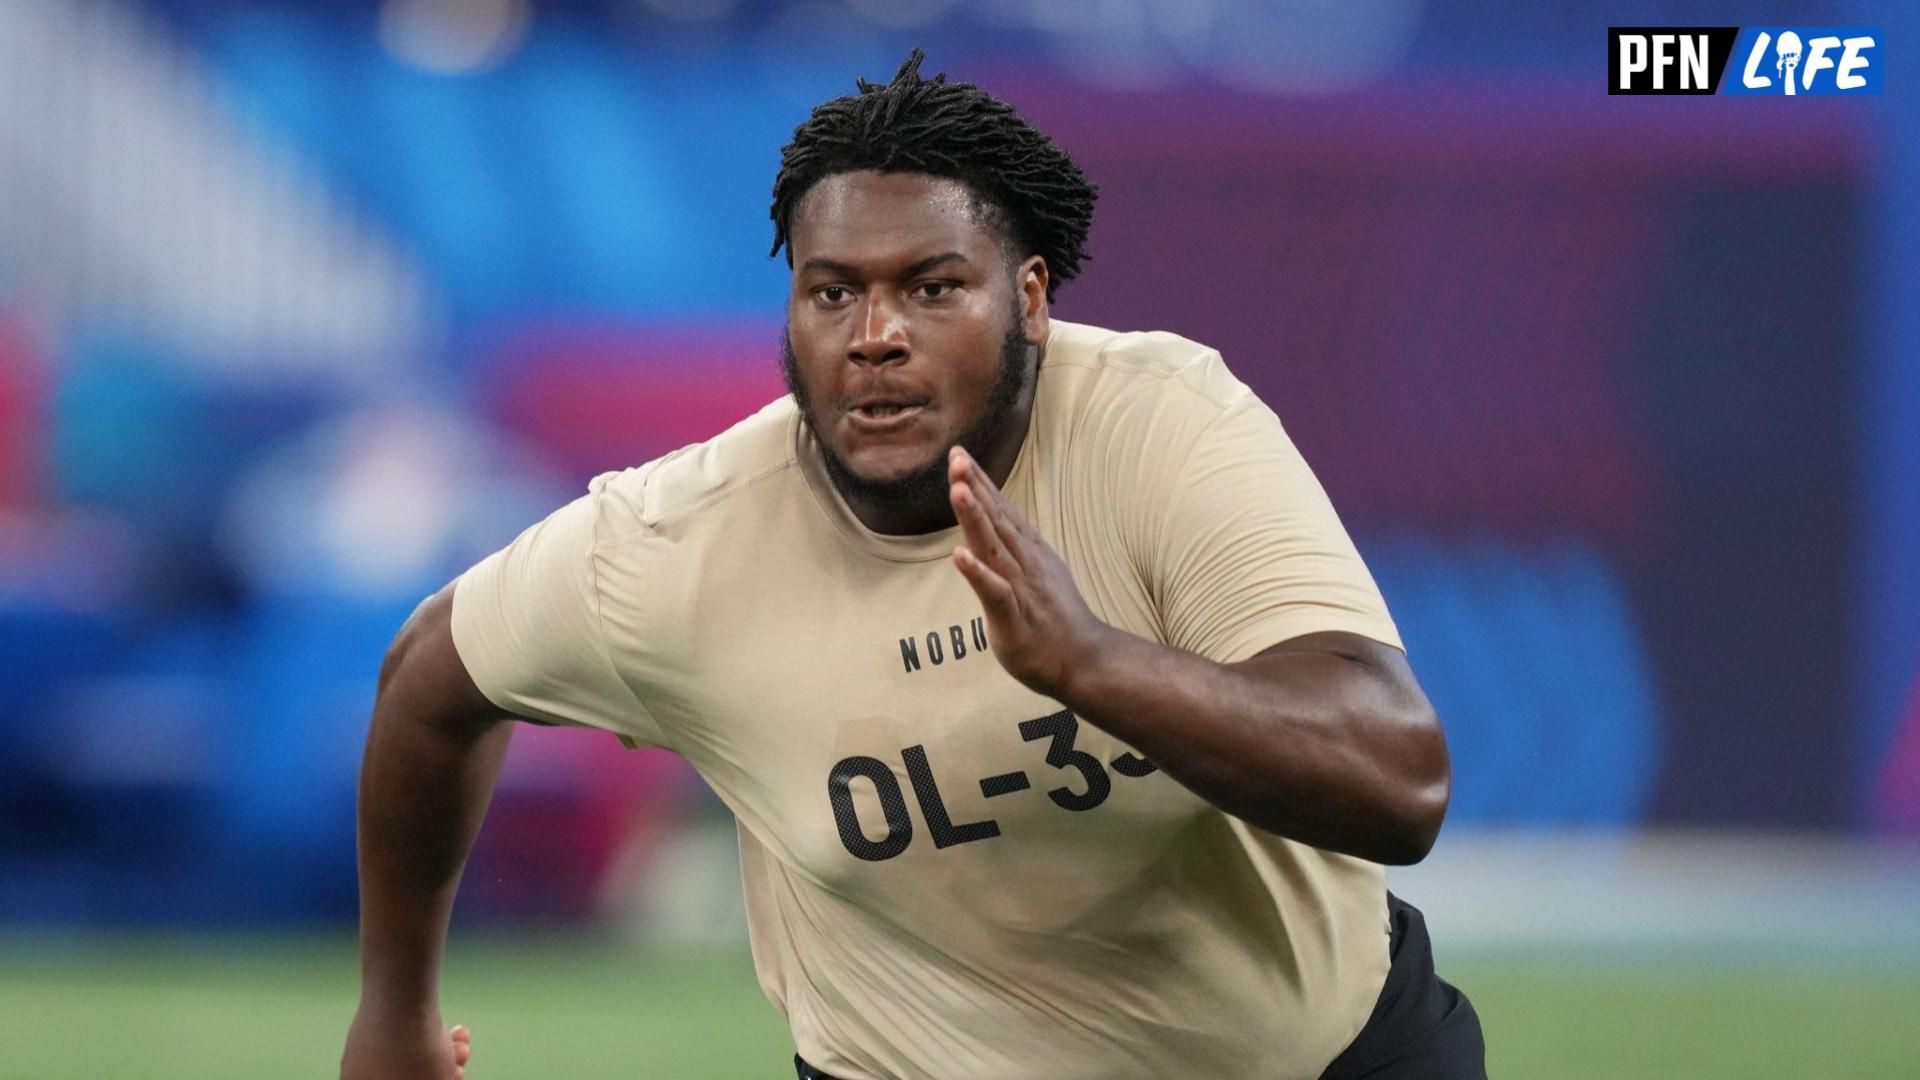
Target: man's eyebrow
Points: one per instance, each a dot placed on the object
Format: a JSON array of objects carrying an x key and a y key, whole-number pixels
[
  {"x": 831, "y": 266},
  {"x": 933, "y": 261},
  {"x": 851, "y": 272}
]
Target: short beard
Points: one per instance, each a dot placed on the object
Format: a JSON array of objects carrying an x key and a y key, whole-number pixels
[{"x": 925, "y": 488}]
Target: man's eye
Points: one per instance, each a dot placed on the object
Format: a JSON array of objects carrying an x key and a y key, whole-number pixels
[
  {"x": 836, "y": 294},
  {"x": 934, "y": 290}
]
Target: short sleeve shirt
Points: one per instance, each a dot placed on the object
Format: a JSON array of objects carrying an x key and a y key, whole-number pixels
[{"x": 948, "y": 875}]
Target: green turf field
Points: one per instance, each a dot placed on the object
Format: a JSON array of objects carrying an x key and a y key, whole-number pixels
[{"x": 215, "y": 1008}]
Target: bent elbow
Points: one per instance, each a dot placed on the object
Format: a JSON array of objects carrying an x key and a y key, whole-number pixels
[
  {"x": 1417, "y": 825},
  {"x": 1425, "y": 797}
]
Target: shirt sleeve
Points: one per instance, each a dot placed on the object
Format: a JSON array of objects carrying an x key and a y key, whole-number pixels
[
  {"x": 526, "y": 622},
  {"x": 1250, "y": 551}
]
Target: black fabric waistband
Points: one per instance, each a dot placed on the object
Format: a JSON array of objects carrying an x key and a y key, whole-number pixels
[{"x": 808, "y": 1072}]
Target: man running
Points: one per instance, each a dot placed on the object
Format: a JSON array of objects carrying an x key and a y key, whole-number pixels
[{"x": 1066, "y": 732}]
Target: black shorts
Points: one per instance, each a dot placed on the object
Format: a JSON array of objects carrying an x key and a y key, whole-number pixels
[{"x": 1421, "y": 1028}]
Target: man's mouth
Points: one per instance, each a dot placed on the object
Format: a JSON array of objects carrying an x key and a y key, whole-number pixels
[
  {"x": 884, "y": 415},
  {"x": 881, "y": 411}
]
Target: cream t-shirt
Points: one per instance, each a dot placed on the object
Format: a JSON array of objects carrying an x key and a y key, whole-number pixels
[{"x": 946, "y": 874}]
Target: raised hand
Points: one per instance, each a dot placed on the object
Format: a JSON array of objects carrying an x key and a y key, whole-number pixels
[{"x": 1038, "y": 626}]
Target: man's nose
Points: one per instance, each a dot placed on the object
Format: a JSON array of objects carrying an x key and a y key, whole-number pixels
[{"x": 880, "y": 335}]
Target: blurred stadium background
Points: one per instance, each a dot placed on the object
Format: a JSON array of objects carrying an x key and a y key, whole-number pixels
[{"x": 305, "y": 306}]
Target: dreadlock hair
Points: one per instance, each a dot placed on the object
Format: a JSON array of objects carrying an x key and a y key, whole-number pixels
[{"x": 1021, "y": 180}]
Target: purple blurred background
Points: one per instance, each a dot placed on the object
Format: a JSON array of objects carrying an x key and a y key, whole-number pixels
[{"x": 304, "y": 307}]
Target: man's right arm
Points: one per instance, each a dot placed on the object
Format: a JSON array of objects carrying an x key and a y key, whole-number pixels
[{"x": 434, "y": 750}]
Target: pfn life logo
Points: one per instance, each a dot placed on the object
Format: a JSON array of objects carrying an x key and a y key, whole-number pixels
[
  {"x": 1787, "y": 61},
  {"x": 1795, "y": 60}
]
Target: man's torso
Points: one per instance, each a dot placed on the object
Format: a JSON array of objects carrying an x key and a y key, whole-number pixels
[{"x": 946, "y": 874}]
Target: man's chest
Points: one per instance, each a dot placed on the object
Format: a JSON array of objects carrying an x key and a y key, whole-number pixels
[{"x": 873, "y": 738}]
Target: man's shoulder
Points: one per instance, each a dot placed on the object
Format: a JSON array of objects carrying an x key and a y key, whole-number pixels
[
  {"x": 698, "y": 476},
  {"x": 1104, "y": 368}
]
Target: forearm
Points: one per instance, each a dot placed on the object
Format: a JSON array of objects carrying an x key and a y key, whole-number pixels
[
  {"x": 1310, "y": 745},
  {"x": 424, "y": 790}
]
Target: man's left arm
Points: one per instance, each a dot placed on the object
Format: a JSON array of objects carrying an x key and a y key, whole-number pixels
[{"x": 1324, "y": 738}]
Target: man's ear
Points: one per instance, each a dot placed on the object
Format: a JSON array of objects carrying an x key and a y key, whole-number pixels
[{"x": 1032, "y": 279}]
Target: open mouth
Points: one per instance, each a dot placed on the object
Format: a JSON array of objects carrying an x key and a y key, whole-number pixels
[
  {"x": 883, "y": 411},
  {"x": 884, "y": 419}
]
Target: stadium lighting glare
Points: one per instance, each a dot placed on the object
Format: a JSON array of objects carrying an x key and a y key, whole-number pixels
[{"x": 453, "y": 37}]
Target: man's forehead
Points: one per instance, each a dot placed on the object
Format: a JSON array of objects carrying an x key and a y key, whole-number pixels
[{"x": 885, "y": 217}]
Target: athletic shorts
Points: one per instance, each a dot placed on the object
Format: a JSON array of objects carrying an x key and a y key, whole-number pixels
[{"x": 1421, "y": 1028}]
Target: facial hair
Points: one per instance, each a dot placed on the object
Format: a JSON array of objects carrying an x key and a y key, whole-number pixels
[{"x": 926, "y": 486}]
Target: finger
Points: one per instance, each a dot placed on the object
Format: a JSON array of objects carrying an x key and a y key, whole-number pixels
[
  {"x": 994, "y": 591},
  {"x": 977, "y": 479},
  {"x": 960, "y": 468},
  {"x": 1006, "y": 516},
  {"x": 983, "y": 536},
  {"x": 460, "y": 1033},
  {"x": 1000, "y": 514},
  {"x": 462, "y": 1051}
]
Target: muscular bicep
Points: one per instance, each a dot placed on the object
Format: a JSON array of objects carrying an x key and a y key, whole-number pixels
[
  {"x": 1380, "y": 679},
  {"x": 424, "y": 677},
  {"x": 1371, "y": 688},
  {"x": 1389, "y": 663}
]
